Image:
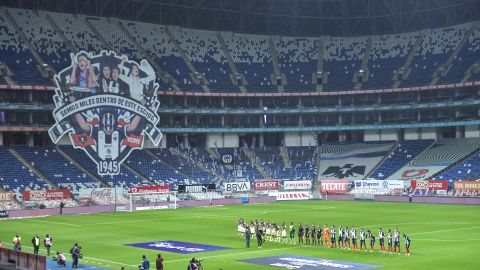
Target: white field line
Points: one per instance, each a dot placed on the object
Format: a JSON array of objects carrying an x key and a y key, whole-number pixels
[
  {"x": 447, "y": 230},
  {"x": 448, "y": 240}
]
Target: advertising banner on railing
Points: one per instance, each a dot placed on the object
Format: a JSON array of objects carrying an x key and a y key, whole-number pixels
[
  {"x": 101, "y": 193},
  {"x": 146, "y": 189},
  {"x": 291, "y": 195},
  {"x": 6, "y": 196},
  {"x": 197, "y": 188},
  {"x": 430, "y": 184},
  {"x": 236, "y": 186},
  {"x": 265, "y": 185},
  {"x": 297, "y": 185},
  {"x": 379, "y": 184},
  {"x": 467, "y": 185},
  {"x": 334, "y": 186},
  {"x": 46, "y": 195}
]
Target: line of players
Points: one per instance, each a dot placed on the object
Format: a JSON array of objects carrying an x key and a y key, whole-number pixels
[{"x": 323, "y": 237}]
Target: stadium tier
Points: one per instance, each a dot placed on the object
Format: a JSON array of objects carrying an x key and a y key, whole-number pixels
[
  {"x": 469, "y": 169},
  {"x": 198, "y": 60},
  {"x": 15, "y": 176},
  {"x": 56, "y": 168}
]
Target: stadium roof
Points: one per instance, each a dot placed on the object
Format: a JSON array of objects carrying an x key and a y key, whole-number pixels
[{"x": 277, "y": 17}]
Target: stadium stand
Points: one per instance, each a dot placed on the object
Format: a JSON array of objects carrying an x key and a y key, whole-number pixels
[
  {"x": 302, "y": 163},
  {"x": 403, "y": 153},
  {"x": 56, "y": 168},
  {"x": 203, "y": 50},
  {"x": 240, "y": 163},
  {"x": 253, "y": 60},
  {"x": 125, "y": 179},
  {"x": 154, "y": 170},
  {"x": 16, "y": 55},
  {"x": 343, "y": 58},
  {"x": 468, "y": 169},
  {"x": 388, "y": 54},
  {"x": 437, "y": 45},
  {"x": 297, "y": 59},
  {"x": 43, "y": 37},
  {"x": 16, "y": 177},
  {"x": 172, "y": 157},
  {"x": 157, "y": 43}
]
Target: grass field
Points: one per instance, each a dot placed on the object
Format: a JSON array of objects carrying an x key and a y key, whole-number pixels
[{"x": 443, "y": 236}]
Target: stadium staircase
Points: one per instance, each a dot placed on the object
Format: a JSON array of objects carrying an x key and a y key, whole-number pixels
[
  {"x": 27, "y": 43},
  {"x": 231, "y": 63},
  {"x": 158, "y": 70},
  {"x": 60, "y": 34},
  {"x": 320, "y": 60},
  {"x": 374, "y": 169},
  {"x": 474, "y": 68},
  {"x": 199, "y": 165},
  {"x": 408, "y": 61},
  {"x": 364, "y": 66},
  {"x": 443, "y": 69},
  {"x": 276, "y": 68},
  {"x": 196, "y": 76},
  {"x": 284, "y": 155},
  {"x": 31, "y": 167},
  {"x": 248, "y": 153},
  {"x": 460, "y": 161},
  {"x": 74, "y": 162}
]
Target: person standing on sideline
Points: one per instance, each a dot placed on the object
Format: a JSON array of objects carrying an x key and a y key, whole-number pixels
[
  {"x": 159, "y": 262},
  {"x": 36, "y": 244},
  {"x": 145, "y": 262},
  {"x": 17, "y": 243},
  {"x": 407, "y": 244},
  {"x": 248, "y": 235},
  {"x": 48, "y": 243},
  {"x": 259, "y": 236}
]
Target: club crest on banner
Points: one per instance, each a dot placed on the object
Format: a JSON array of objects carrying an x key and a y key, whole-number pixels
[{"x": 106, "y": 104}]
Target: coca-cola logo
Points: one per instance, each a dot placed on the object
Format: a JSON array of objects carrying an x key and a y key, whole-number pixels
[{"x": 101, "y": 193}]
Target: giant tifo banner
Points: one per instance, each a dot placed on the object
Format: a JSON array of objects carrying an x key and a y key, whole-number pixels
[
  {"x": 297, "y": 185},
  {"x": 101, "y": 193},
  {"x": 291, "y": 195},
  {"x": 196, "y": 188},
  {"x": 146, "y": 189},
  {"x": 265, "y": 185},
  {"x": 236, "y": 186},
  {"x": 379, "y": 185},
  {"x": 334, "y": 186},
  {"x": 467, "y": 185},
  {"x": 46, "y": 195},
  {"x": 106, "y": 104},
  {"x": 350, "y": 161},
  {"x": 430, "y": 184},
  {"x": 6, "y": 196}
]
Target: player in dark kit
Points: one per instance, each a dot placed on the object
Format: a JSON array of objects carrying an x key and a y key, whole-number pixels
[
  {"x": 307, "y": 235},
  {"x": 292, "y": 233},
  {"x": 300, "y": 233},
  {"x": 390, "y": 242},
  {"x": 407, "y": 244},
  {"x": 259, "y": 236},
  {"x": 381, "y": 236},
  {"x": 319, "y": 235},
  {"x": 314, "y": 235},
  {"x": 372, "y": 241}
]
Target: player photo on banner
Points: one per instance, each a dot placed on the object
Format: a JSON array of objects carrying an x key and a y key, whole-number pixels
[{"x": 106, "y": 104}]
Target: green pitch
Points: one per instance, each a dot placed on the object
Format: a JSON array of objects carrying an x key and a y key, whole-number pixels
[{"x": 443, "y": 236}]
